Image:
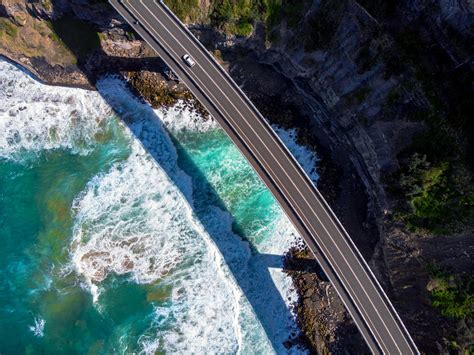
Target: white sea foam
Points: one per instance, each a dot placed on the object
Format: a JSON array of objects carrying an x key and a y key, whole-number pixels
[
  {"x": 280, "y": 233},
  {"x": 246, "y": 267},
  {"x": 306, "y": 157},
  {"x": 36, "y": 117},
  {"x": 38, "y": 327},
  {"x": 137, "y": 219},
  {"x": 280, "y": 236},
  {"x": 172, "y": 117},
  {"x": 134, "y": 220},
  {"x": 123, "y": 223}
]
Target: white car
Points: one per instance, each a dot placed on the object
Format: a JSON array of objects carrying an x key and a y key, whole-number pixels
[{"x": 189, "y": 61}]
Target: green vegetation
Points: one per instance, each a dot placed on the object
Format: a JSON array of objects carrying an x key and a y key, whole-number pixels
[
  {"x": 439, "y": 195},
  {"x": 273, "y": 14},
  {"x": 437, "y": 168},
  {"x": 52, "y": 35},
  {"x": 184, "y": 8},
  {"x": 435, "y": 176},
  {"x": 454, "y": 298},
  {"x": 238, "y": 17},
  {"x": 470, "y": 350},
  {"x": 8, "y": 28},
  {"x": 241, "y": 28},
  {"x": 102, "y": 36},
  {"x": 47, "y": 4}
]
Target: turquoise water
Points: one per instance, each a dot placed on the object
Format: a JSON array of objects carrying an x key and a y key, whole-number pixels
[{"x": 129, "y": 230}]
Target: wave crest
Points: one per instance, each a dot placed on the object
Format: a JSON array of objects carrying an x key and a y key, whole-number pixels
[{"x": 36, "y": 117}]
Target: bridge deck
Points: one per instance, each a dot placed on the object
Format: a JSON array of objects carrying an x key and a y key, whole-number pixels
[{"x": 325, "y": 236}]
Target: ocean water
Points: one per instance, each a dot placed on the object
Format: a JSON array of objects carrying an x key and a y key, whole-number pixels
[{"x": 125, "y": 229}]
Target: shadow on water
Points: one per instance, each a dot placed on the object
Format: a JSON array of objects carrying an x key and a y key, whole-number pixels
[{"x": 73, "y": 33}]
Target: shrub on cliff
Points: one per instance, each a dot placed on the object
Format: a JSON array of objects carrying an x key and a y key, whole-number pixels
[{"x": 452, "y": 296}]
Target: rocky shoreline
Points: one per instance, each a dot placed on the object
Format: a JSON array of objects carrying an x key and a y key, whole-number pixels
[{"x": 320, "y": 313}]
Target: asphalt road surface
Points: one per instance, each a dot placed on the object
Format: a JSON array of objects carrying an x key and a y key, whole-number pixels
[{"x": 350, "y": 275}]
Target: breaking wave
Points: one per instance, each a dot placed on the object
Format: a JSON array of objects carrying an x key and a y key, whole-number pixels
[
  {"x": 36, "y": 117},
  {"x": 138, "y": 217}
]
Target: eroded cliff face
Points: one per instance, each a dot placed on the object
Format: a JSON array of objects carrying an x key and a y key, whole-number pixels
[{"x": 351, "y": 77}]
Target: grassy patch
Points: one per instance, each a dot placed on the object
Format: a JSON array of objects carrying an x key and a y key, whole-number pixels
[
  {"x": 47, "y": 4},
  {"x": 102, "y": 36},
  {"x": 241, "y": 14},
  {"x": 453, "y": 297},
  {"x": 241, "y": 28},
  {"x": 53, "y": 35},
  {"x": 8, "y": 28},
  {"x": 184, "y": 8},
  {"x": 236, "y": 16},
  {"x": 34, "y": 39},
  {"x": 453, "y": 302},
  {"x": 273, "y": 13}
]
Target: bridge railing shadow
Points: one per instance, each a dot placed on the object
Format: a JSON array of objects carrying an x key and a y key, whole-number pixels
[{"x": 264, "y": 297}]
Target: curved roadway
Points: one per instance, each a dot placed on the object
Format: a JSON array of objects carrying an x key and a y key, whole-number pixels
[{"x": 350, "y": 275}]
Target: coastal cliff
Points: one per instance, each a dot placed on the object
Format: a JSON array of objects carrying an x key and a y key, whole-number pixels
[{"x": 382, "y": 92}]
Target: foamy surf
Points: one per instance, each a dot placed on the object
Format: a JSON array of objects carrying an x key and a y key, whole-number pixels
[
  {"x": 38, "y": 327},
  {"x": 138, "y": 218},
  {"x": 133, "y": 220},
  {"x": 35, "y": 117},
  {"x": 279, "y": 234}
]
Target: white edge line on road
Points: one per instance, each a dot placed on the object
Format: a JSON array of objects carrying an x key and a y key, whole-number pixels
[
  {"x": 328, "y": 209},
  {"x": 334, "y": 264},
  {"x": 283, "y": 170},
  {"x": 245, "y": 101}
]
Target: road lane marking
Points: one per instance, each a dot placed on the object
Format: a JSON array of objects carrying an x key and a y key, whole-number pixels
[
  {"x": 263, "y": 160},
  {"x": 336, "y": 266},
  {"x": 348, "y": 284},
  {"x": 349, "y": 243},
  {"x": 269, "y": 167},
  {"x": 328, "y": 211}
]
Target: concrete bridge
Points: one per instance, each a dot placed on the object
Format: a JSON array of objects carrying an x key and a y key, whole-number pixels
[{"x": 325, "y": 236}]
